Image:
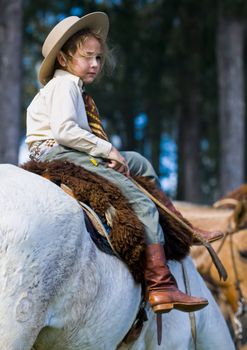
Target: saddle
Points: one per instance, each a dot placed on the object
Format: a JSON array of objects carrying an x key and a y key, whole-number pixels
[
  {"x": 111, "y": 206},
  {"x": 98, "y": 230}
]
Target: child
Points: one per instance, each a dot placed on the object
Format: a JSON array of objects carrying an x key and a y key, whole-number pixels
[{"x": 58, "y": 127}]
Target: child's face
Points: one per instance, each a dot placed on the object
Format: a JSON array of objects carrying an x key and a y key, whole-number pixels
[{"x": 86, "y": 62}]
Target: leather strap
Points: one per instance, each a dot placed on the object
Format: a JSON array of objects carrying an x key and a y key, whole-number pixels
[
  {"x": 93, "y": 217},
  {"x": 217, "y": 262}
]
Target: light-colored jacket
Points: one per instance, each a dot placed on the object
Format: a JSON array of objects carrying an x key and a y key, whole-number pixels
[{"x": 58, "y": 112}]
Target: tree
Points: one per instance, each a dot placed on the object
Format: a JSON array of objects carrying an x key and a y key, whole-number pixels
[
  {"x": 230, "y": 47},
  {"x": 10, "y": 78},
  {"x": 166, "y": 71},
  {"x": 191, "y": 49}
]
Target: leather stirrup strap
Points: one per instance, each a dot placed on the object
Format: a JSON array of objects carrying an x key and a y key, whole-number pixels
[{"x": 159, "y": 328}]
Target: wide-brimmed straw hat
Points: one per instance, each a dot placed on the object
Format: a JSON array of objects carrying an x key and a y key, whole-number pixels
[{"x": 96, "y": 21}]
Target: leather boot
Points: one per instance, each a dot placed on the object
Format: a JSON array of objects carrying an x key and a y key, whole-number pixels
[{"x": 163, "y": 291}]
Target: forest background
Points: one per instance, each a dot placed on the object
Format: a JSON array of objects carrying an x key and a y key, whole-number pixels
[{"x": 177, "y": 94}]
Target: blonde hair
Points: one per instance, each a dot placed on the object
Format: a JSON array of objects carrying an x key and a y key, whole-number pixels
[{"x": 77, "y": 40}]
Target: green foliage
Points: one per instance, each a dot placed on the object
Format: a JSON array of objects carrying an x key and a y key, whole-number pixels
[
  {"x": 165, "y": 50},
  {"x": 233, "y": 8}
]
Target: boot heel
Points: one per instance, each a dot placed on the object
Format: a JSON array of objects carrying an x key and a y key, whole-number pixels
[{"x": 163, "y": 308}]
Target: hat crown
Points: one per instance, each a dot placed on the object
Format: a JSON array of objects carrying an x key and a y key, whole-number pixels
[
  {"x": 57, "y": 32},
  {"x": 95, "y": 21}
]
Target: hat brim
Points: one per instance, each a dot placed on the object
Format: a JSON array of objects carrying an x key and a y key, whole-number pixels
[{"x": 96, "y": 21}]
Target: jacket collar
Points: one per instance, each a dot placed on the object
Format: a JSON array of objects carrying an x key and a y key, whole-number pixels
[{"x": 64, "y": 73}]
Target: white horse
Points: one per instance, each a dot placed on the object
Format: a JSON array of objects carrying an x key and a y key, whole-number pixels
[{"x": 59, "y": 292}]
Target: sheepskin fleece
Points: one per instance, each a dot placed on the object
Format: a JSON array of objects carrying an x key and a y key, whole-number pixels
[{"x": 127, "y": 233}]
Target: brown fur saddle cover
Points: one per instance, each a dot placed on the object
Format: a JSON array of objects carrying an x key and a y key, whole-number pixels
[{"x": 127, "y": 232}]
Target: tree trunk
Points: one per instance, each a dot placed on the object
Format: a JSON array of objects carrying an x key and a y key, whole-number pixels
[
  {"x": 189, "y": 148},
  {"x": 230, "y": 45},
  {"x": 10, "y": 78},
  {"x": 154, "y": 133}
]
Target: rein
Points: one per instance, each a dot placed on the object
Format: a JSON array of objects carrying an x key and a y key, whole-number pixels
[{"x": 215, "y": 259}]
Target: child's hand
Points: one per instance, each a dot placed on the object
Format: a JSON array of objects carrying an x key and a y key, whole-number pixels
[{"x": 117, "y": 162}]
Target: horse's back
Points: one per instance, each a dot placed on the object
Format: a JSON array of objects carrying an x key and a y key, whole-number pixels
[
  {"x": 40, "y": 236},
  {"x": 58, "y": 288},
  {"x": 53, "y": 277}
]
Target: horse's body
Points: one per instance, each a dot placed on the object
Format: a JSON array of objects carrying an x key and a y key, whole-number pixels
[{"x": 59, "y": 292}]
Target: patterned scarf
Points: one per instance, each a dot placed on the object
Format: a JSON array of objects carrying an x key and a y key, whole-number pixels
[{"x": 93, "y": 117}]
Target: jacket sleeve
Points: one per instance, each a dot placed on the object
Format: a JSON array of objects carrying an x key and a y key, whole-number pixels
[{"x": 65, "y": 119}]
